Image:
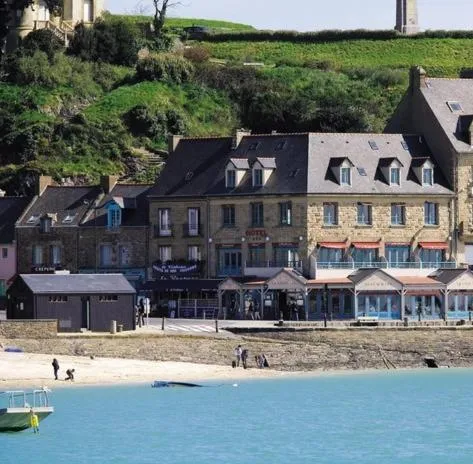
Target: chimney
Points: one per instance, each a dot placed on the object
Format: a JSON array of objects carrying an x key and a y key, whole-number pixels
[
  {"x": 42, "y": 183},
  {"x": 173, "y": 141},
  {"x": 108, "y": 182},
  {"x": 2, "y": 193},
  {"x": 417, "y": 78},
  {"x": 240, "y": 133}
]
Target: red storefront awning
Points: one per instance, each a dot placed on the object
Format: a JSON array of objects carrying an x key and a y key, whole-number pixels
[
  {"x": 333, "y": 245},
  {"x": 366, "y": 244},
  {"x": 434, "y": 245}
]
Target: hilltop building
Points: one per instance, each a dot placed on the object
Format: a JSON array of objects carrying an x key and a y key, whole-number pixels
[
  {"x": 38, "y": 16},
  {"x": 407, "y": 21}
]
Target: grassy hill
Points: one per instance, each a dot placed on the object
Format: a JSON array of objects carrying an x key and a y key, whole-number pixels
[{"x": 75, "y": 125}]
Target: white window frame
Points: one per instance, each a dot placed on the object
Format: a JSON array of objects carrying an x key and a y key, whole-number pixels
[
  {"x": 194, "y": 253},
  {"x": 402, "y": 210},
  {"x": 38, "y": 255},
  {"x": 165, "y": 253},
  {"x": 368, "y": 207},
  {"x": 256, "y": 182},
  {"x": 56, "y": 253},
  {"x": 230, "y": 178},
  {"x": 164, "y": 222},
  {"x": 392, "y": 170},
  {"x": 343, "y": 181},
  {"x": 330, "y": 207},
  {"x": 193, "y": 218},
  {"x": 430, "y": 181}
]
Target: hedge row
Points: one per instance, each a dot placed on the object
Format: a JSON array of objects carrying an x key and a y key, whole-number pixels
[{"x": 329, "y": 35}]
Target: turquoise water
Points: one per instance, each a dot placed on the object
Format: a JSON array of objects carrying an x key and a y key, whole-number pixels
[{"x": 393, "y": 417}]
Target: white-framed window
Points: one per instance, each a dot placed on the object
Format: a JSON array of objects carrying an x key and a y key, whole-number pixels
[
  {"x": 193, "y": 221},
  {"x": 330, "y": 214},
  {"x": 364, "y": 214},
  {"x": 285, "y": 213},
  {"x": 345, "y": 176},
  {"x": 398, "y": 214},
  {"x": 427, "y": 176},
  {"x": 45, "y": 224},
  {"x": 37, "y": 254},
  {"x": 106, "y": 255},
  {"x": 431, "y": 214},
  {"x": 395, "y": 176},
  {"x": 257, "y": 177},
  {"x": 230, "y": 178},
  {"x": 164, "y": 222},
  {"x": 165, "y": 253},
  {"x": 228, "y": 215},
  {"x": 193, "y": 253},
  {"x": 124, "y": 255},
  {"x": 55, "y": 252}
]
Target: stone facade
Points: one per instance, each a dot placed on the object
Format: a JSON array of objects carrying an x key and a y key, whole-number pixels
[
  {"x": 381, "y": 229},
  {"x": 32, "y": 329},
  {"x": 407, "y": 21},
  {"x": 37, "y": 16}
]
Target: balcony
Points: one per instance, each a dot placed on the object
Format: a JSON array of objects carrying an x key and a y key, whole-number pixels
[
  {"x": 192, "y": 230},
  {"x": 163, "y": 231},
  {"x": 383, "y": 264}
]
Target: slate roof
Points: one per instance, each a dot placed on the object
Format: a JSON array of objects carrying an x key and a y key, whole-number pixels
[
  {"x": 11, "y": 209},
  {"x": 440, "y": 91},
  {"x": 77, "y": 283},
  {"x": 447, "y": 275},
  {"x": 304, "y": 165},
  {"x": 62, "y": 202},
  {"x": 131, "y": 197}
]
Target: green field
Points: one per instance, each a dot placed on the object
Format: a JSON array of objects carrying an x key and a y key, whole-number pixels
[{"x": 440, "y": 57}]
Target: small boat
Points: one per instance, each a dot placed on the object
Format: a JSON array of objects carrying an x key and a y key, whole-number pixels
[
  {"x": 15, "y": 417},
  {"x": 165, "y": 384}
]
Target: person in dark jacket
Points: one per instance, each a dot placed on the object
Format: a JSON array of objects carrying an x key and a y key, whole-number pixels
[
  {"x": 70, "y": 374},
  {"x": 55, "y": 364}
]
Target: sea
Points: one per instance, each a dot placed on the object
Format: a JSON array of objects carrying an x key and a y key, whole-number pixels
[{"x": 420, "y": 416}]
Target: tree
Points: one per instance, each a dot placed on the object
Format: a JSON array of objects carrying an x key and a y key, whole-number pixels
[
  {"x": 9, "y": 7},
  {"x": 160, "y": 11}
]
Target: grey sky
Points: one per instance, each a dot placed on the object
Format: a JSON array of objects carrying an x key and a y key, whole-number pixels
[{"x": 305, "y": 15}]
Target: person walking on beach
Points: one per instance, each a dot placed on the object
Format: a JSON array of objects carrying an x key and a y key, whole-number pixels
[
  {"x": 141, "y": 313},
  {"x": 55, "y": 364},
  {"x": 244, "y": 358},
  {"x": 34, "y": 421},
  {"x": 237, "y": 352},
  {"x": 70, "y": 374}
]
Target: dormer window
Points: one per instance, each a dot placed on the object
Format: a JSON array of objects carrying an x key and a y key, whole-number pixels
[
  {"x": 345, "y": 176},
  {"x": 45, "y": 224},
  {"x": 114, "y": 216},
  {"x": 257, "y": 177},
  {"x": 427, "y": 176},
  {"x": 395, "y": 176},
  {"x": 230, "y": 179}
]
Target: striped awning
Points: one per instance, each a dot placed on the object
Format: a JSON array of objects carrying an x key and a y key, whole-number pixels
[
  {"x": 333, "y": 244},
  {"x": 364, "y": 245},
  {"x": 434, "y": 245}
]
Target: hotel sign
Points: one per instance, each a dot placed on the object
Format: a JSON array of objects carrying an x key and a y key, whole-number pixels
[
  {"x": 255, "y": 234},
  {"x": 379, "y": 283}
]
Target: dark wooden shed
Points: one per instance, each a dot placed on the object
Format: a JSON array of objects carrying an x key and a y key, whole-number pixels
[{"x": 77, "y": 301}]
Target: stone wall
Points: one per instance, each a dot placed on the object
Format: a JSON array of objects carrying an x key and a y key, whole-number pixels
[
  {"x": 33, "y": 329},
  {"x": 381, "y": 229}
]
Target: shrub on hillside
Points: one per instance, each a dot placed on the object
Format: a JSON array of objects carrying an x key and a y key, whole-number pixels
[
  {"x": 164, "y": 67},
  {"x": 43, "y": 40},
  {"x": 142, "y": 120},
  {"x": 114, "y": 43},
  {"x": 197, "y": 54}
]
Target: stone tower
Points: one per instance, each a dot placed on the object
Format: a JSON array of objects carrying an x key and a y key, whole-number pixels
[{"x": 407, "y": 21}]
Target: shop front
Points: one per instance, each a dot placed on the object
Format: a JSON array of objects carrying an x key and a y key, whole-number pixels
[
  {"x": 458, "y": 292},
  {"x": 377, "y": 294}
]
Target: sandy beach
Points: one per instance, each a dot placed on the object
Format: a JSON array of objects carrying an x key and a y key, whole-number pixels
[{"x": 27, "y": 370}]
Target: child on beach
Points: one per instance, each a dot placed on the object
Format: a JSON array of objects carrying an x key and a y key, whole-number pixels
[
  {"x": 70, "y": 374},
  {"x": 237, "y": 352}
]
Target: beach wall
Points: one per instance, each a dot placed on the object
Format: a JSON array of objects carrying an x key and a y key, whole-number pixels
[{"x": 34, "y": 329}]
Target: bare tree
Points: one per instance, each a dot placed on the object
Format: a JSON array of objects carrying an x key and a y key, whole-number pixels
[
  {"x": 141, "y": 8},
  {"x": 160, "y": 11}
]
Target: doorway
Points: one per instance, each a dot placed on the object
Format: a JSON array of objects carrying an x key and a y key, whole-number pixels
[{"x": 85, "y": 313}]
